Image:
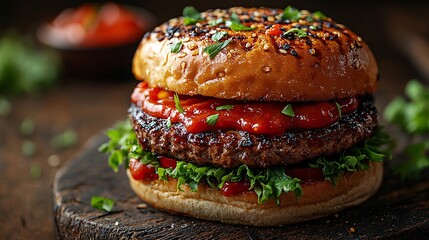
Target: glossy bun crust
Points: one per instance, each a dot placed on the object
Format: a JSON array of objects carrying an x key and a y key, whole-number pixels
[
  {"x": 319, "y": 199},
  {"x": 330, "y": 62}
]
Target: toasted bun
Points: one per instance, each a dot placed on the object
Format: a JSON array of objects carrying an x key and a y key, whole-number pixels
[
  {"x": 319, "y": 199},
  {"x": 331, "y": 62}
]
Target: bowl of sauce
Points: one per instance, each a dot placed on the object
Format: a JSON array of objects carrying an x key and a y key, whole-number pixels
[{"x": 96, "y": 39}]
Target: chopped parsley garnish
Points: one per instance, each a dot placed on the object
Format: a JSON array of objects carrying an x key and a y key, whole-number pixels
[
  {"x": 215, "y": 22},
  {"x": 191, "y": 15},
  {"x": 288, "y": 111},
  {"x": 212, "y": 119},
  {"x": 291, "y": 13},
  {"x": 267, "y": 183},
  {"x": 214, "y": 49},
  {"x": 168, "y": 123},
  {"x": 102, "y": 203},
  {"x": 240, "y": 27},
  {"x": 176, "y": 47},
  {"x": 218, "y": 36},
  {"x": 236, "y": 25},
  {"x": 235, "y": 18},
  {"x": 340, "y": 113},
  {"x": 319, "y": 15},
  {"x": 298, "y": 32},
  {"x": 177, "y": 103},
  {"x": 224, "y": 107}
]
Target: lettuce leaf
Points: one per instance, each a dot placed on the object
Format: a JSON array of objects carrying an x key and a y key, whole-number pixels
[{"x": 266, "y": 183}]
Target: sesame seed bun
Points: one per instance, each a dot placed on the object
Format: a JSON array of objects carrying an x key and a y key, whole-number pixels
[
  {"x": 319, "y": 199},
  {"x": 331, "y": 61}
]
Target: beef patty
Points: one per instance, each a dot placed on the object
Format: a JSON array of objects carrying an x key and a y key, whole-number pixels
[{"x": 231, "y": 148}]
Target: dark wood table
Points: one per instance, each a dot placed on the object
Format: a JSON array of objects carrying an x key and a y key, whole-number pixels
[{"x": 89, "y": 106}]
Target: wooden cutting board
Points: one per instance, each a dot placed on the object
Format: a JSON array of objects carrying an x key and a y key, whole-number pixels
[{"x": 399, "y": 210}]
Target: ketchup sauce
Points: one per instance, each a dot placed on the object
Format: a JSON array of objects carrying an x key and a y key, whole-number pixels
[
  {"x": 98, "y": 25},
  {"x": 251, "y": 116}
]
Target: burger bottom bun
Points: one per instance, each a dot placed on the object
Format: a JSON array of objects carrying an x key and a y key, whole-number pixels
[{"x": 318, "y": 199}]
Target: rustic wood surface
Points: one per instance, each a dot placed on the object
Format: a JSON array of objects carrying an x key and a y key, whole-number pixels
[
  {"x": 399, "y": 210},
  {"x": 88, "y": 106}
]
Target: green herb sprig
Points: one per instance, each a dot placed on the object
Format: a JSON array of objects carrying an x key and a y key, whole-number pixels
[
  {"x": 288, "y": 111},
  {"x": 411, "y": 115},
  {"x": 212, "y": 119},
  {"x": 176, "y": 47},
  {"x": 236, "y": 25},
  {"x": 296, "y": 31},
  {"x": 291, "y": 13},
  {"x": 177, "y": 103},
  {"x": 214, "y": 49},
  {"x": 191, "y": 15},
  {"x": 102, "y": 203},
  {"x": 224, "y": 107}
]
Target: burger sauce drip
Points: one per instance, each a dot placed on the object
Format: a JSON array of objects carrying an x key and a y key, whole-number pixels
[{"x": 251, "y": 116}]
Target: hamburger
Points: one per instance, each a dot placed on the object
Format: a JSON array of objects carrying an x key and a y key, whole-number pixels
[{"x": 252, "y": 116}]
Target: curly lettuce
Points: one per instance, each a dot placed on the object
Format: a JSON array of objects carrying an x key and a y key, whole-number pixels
[{"x": 267, "y": 183}]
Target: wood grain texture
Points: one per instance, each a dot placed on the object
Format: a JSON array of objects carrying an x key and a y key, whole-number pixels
[{"x": 399, "y": 210}]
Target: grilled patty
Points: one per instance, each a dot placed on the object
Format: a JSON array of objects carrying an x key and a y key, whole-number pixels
[{"x": 231, "y": 148}]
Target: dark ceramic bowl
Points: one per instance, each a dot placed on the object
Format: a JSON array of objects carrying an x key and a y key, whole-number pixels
[{"x": 102, "y": 61}]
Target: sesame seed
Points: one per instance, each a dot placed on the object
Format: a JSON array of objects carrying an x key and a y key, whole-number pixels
[
  {"x": 54, "y": 160},
  {"x": 195, "y": 53},
  {"x": 293, "y": 52},
  {"x": 266, "y": 69},
  {"x": 352, "y": 230},
  {"x": 229, "y": 55},
  {"x": 282, "y": 51},
  {"x": 176, "y": 34},
  {"x": 319, "y": 34},
  {"x": 271, "y": 19},
  {"x": 198, "y": 24},
  {"x": 312, "y": 51},
  {"x": 186, "y": 39},
  {"x": 359, "y": 39},
  {"x": 305, "y": 12},
  {"x": 253, "y": 34},
  {"x": 182, "y": 54},
  {"x": 266, "y": 47},
  {"x": 183, "y": 65},
  {"x": 248, "y": 45},
  {"x": 233, "y": 51},
  {"x": 192, "y": 46},
  {"x": 141, "y": 206},
  {"x": 221, "y": 74}
]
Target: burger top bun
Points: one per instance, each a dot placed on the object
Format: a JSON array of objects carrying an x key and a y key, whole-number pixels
[{"x": 310, "y": 58}]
